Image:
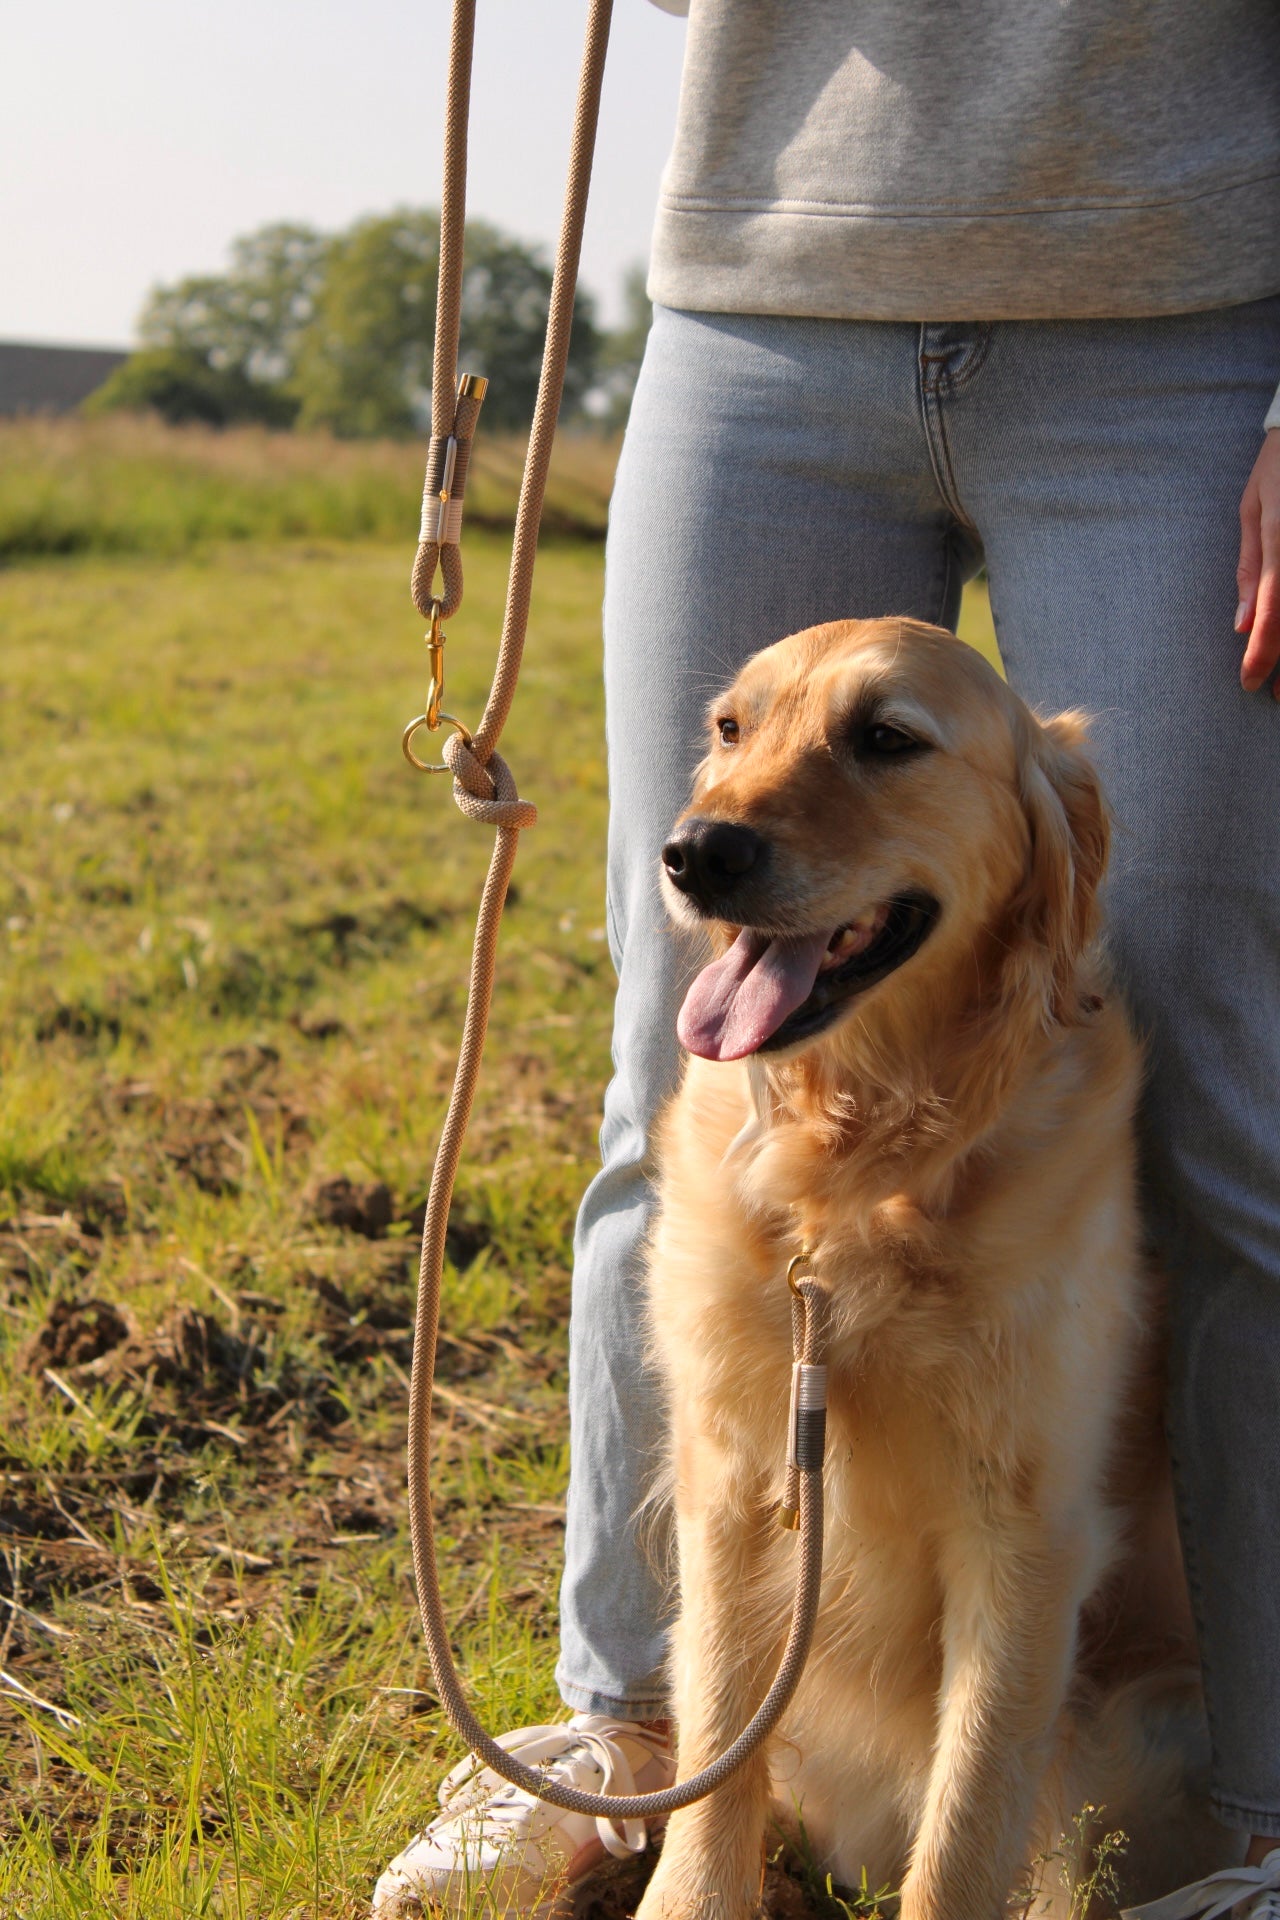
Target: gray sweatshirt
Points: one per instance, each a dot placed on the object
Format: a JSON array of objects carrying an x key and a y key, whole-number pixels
[{"x": 973, "y": 159}]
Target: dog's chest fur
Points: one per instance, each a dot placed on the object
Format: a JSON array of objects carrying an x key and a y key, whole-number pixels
[{"x": 972, "y": 1316}]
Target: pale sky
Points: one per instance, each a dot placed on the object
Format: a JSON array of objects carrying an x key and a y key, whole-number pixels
[{"x": 138, "y": 137}]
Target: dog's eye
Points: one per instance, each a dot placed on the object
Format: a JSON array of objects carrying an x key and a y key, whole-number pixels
[
  {"x": 728, "y": 732},
  {"x": 881, "y": 740}
]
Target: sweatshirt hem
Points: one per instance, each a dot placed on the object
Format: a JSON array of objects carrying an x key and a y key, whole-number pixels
[
  {"x": 937, "y": 210},
  {"x": 1125, "y": 261}
]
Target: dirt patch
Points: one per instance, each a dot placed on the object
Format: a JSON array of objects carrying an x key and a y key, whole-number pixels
[
  {"x": 366, "y": 1321},
  {"x": 210, "y": 1141},
  {"x": 102, "y": 1210},
  {"x": 465, "y": 1237},
  {"x": 191, "y": 1350},
  {"x": 75, "y": 1334},
  {"x": 245, "y": 1065},
  {"x": 195, "y": 1373},
  {"x": 381, "y": 928},
  {"x": 192, "y": 1372},
  {"x": 81, "y": 1021},
  {"x": 365, "y": 1209},
  {"x": 214, "y": 1165},
  {"x": 319, "y": 1026}
]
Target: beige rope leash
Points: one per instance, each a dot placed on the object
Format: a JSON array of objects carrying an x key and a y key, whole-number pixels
[{"x": 485, "y": 790}]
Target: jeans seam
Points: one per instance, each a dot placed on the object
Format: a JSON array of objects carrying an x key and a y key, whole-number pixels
[
  {"x": 936, "y": 429},
  {"x": 948, "y": 567},
  {"x": 972, "y": 364},
  {"x": 939, "y": 475},
  {"x": 928, "y": 392},
  {"x": 1195, "y": 1593},
  {"x": 614, "y": 931},
  {"x": 936, "y": 382}
]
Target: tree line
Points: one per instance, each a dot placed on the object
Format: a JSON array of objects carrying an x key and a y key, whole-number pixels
[{"x": 336, "y": 331}]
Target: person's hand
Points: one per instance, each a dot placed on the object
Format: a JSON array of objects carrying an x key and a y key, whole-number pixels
[{"x": 1258, "y": 574}]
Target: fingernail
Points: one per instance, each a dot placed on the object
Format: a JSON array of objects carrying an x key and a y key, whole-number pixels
[{"x": 1241, "y": 614}]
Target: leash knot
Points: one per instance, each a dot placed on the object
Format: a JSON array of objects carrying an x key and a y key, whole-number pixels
[{"x": 486, "y": 792}]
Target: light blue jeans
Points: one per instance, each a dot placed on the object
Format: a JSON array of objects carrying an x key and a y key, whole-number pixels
[{"x": 781, "y": 472}]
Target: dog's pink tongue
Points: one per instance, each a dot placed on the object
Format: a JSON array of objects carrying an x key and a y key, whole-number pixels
[{"x": 738, "y": 1001}]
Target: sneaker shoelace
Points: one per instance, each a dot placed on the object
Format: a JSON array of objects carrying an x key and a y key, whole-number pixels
[
  {"x": 510, "y": 1814},
  {"x": 1217, "y": 1893}
]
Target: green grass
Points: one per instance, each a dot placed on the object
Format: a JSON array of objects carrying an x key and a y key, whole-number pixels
[
  {"x": 236, "y": 930},
  {"x": 132, "y": 485}
]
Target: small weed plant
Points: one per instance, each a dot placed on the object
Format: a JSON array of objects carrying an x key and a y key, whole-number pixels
[{"x": 1086, "y": 1866}]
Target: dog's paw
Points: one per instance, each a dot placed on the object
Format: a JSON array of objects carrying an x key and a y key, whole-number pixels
[
  {"x": 699, "y": 1906},
  {"x": 682, "y": 1896}
]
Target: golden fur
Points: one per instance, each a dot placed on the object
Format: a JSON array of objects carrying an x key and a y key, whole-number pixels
[{"x": 1004, "y": 1633}]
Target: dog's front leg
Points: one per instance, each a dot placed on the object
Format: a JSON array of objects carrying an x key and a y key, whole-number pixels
[
  {"x": 1011, "y": 1601},
  {"x": 722, "y": 1663}
]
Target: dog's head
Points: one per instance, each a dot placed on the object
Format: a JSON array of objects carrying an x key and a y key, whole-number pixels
[{"x": 877, "y": 806}]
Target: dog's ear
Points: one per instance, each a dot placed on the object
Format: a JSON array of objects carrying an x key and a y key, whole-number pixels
[{"x": 1069, "y": 837}]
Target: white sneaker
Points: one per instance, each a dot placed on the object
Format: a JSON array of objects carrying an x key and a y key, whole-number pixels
[
  {"x": 1254, "y": 1890},
  {"x": 495, "y": 1850}
]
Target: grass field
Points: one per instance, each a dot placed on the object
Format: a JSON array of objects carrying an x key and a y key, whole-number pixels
[
  {"x": 236, "y": 931},
  {"x": 125, "y": 484}
]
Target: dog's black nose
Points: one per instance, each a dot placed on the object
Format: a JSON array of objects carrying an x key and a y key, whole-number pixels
[{"x": 708, "y": 856}]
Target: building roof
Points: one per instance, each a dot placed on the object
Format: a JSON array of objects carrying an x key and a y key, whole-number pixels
[{"x": 40, "y": 379}]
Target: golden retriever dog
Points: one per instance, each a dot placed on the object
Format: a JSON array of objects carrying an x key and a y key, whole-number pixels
[{"x": 908, "y": 1060}]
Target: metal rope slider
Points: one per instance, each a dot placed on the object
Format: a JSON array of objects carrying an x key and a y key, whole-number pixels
[
  {"x": 807, "y": 1428},
  {"x": 807, "y": 1417},
  {"x": 443, "y": 491},
  {"x": 445, "y": 484},
  {"x": 441, "y": 509}
]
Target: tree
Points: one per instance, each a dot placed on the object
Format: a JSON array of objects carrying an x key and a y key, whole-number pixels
[
  {"x": 344, "y": 325},
  {"x": 621, "y": 353},
  {"x": 251, "y": 317},
  {"x": 364, "y": 360},
  {"x": 364, "y": 363},
  {"x": 181, "y": 386},
  {"x": 506, "y": 292}
]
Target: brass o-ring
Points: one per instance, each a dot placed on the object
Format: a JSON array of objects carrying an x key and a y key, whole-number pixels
[{"x": 406, "y": 742}]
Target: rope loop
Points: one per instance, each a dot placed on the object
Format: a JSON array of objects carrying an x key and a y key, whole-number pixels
[
  {"x": 443, "y": 490},
  {"x": 486, "y": 792},
  {"x": 432, "y": 558}
]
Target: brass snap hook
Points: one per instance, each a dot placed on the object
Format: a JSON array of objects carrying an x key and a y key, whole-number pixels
[
  {"x": 435, "y": 660},
  {"x": 435, "y": 713},
  {"x": 802, "y": 1259}
]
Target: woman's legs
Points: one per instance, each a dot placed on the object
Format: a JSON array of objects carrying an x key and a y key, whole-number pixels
[
  {"x": 1103, "y": 467},
  {"x": 774, "y": 475}
]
